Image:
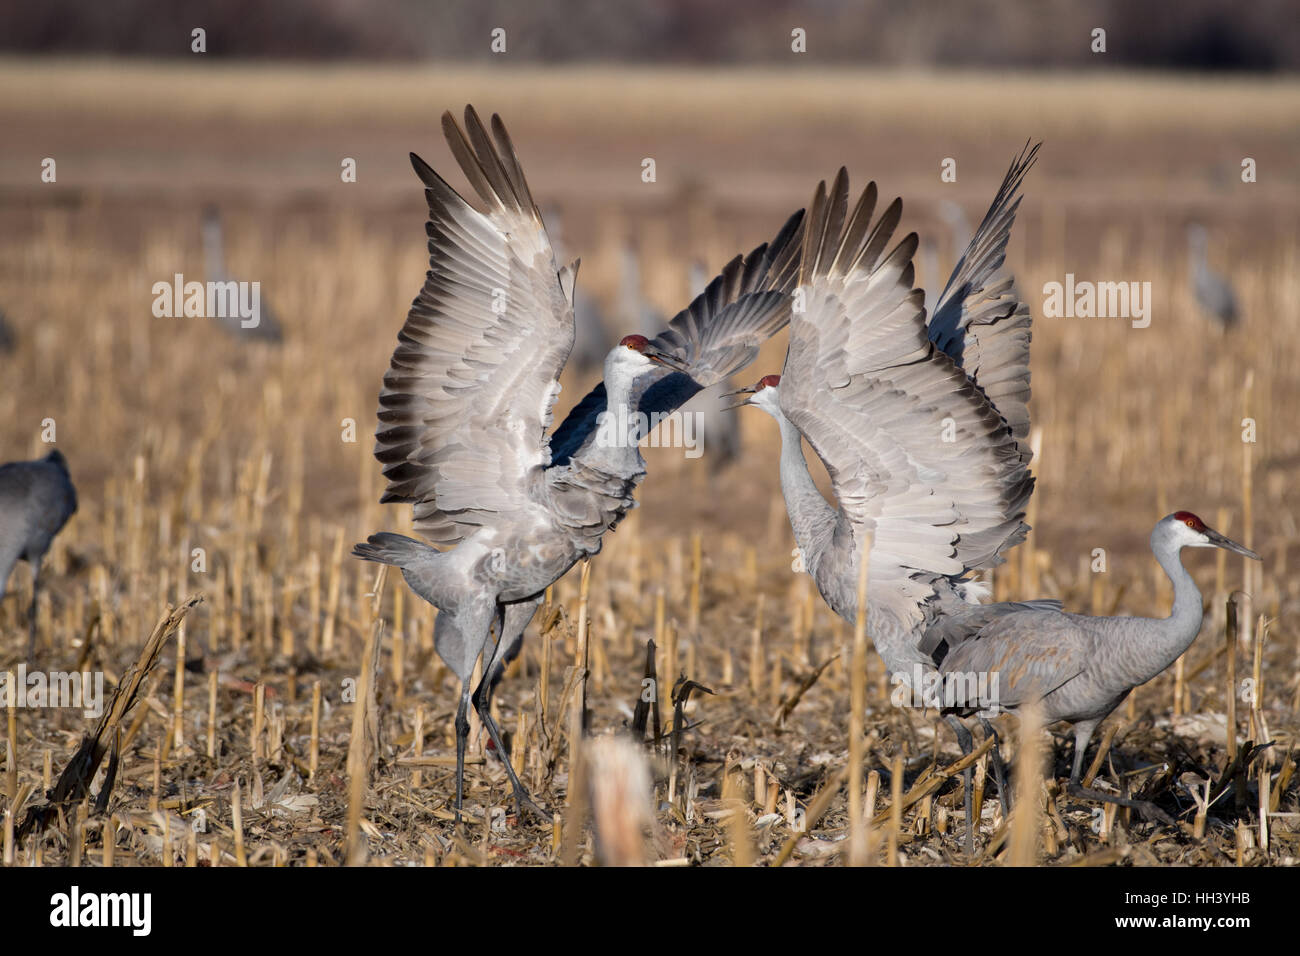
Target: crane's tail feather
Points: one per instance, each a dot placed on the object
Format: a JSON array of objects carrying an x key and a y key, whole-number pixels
[{"x": 387, "y": 548}]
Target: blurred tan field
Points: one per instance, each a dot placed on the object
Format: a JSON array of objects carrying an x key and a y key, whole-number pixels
[{"x": 181, "y": 438}]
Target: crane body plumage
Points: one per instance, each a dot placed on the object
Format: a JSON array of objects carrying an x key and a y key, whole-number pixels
[
  {"x": 36, "y": 500},
  {"x": 566, "y": 514}
]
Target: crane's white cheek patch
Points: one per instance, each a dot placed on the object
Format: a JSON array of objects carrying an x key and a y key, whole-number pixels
[{"x": 974, "y": 592}]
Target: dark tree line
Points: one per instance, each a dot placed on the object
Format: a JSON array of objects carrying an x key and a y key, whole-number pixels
[{"x": 1259, "y": 35}]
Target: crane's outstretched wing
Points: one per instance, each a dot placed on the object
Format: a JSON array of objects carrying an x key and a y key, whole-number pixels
[
  {"x": 467, "y": 400},
  {"x": 916, "y": 454},
  {"x": 1029, "y": 650},
  {"x": 979, "y": 321},
  {"x": 719, "y": 333}
]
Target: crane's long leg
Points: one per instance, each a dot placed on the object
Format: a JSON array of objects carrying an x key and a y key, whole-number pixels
[
  {"x": 459, "y": 637},
  {"x": 999, "y": 768},
  {"x": 967, "y": 744},
  {"x": 510, "y": 639},
  {"x": 462, "y": 737},
  {"x": 1082, "y": 735}
]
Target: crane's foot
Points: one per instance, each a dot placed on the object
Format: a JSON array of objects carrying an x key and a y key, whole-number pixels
[
  {"x": 998, "y": 766},
  {"x": 459, "y": 816},
  {"x": 524, "y": 801},
  {"x": 1153, "y": 813},
  {"x": 523, "y": 798},
  {"x": 969, "y": 798},
  {"x": 1149, "y": 810},
  {"x": 967, "y": 744}
]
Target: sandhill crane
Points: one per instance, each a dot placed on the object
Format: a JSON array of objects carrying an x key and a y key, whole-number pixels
[
  {"x": 1079, "y": 667},
  {"x": 468, "y": 398},
  {"x": 592, "y": 339},
  {"x": 1212, "y": 291},
  {"x": 8, "y": 340},
  {"x": 921, "y": 426},
  {"x": 931, "y": 272},
  {"x": 36, "y": 501},
  {"x": 697, "y": 277},
  {"x": 954, "y": 218},
  {"x": 267, "y": 328},
  {"x": 634, "y": 310}
]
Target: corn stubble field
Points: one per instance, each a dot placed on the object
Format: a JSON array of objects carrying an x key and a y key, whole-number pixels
[{"x": 244, "y": 746}]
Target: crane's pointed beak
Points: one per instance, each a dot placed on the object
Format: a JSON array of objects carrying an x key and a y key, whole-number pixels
[
  {"x": 750, "y": 390},
  {"x": 661, "y": 357},
  {"x": 1222, "y": 541}
]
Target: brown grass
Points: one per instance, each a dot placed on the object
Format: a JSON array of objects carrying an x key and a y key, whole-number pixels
[{"x": 179, "y": 438}]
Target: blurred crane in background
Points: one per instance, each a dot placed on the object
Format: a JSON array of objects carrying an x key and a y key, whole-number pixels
[
  {"x": 267, "y": 328},
  {"x": 36, "y": 500},
  {"x": 1214, "y": 294}
]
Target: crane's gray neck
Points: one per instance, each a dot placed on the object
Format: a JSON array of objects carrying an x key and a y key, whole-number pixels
[
  {"x": 1187, "y": 609},
  {"x": 592, "y": 492},
  {"x": 212, "y": 254},
  {"x": 618, "y": 429},
  {"x": 811, "y": 517},
  {"x": 1197, "y": 253},
  {"x": 630, "y": 283},
  {"x": 1175, "y": 633}
]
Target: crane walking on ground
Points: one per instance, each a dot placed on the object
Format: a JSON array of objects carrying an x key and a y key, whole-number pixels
[
  {"x": 467, "y": 402},
  {"x": 921, "y": 426},
  {"x": 267, "y": 328},
  {"x": 1080, "y": 668},
  {"x": 1212, "y": 291},
  {"x": 36, "y": 501}
]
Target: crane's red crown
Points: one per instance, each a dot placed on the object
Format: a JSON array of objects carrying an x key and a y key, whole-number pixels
[
  {"x": 767, "y": 381},
  {"x": 1189, "y": 519},
  {"x": 636, "y": 343}
]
